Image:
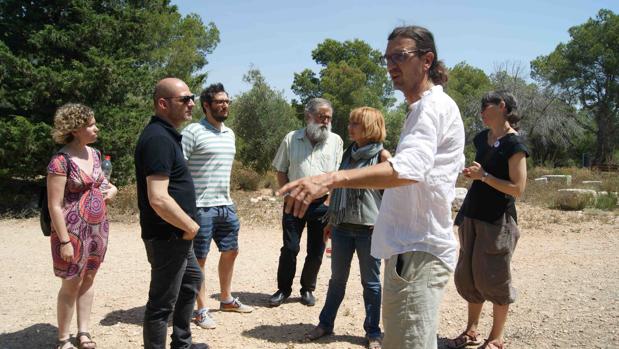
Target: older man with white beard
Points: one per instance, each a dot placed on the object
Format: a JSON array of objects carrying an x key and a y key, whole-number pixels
[{"x": 309, "y": 151}]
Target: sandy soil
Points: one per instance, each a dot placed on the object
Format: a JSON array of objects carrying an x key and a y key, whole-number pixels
[{"x": 565, "y": 269}]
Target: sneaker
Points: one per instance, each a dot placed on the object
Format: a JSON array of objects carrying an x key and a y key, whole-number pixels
[
  {"x": 204, "y": 319},
  {"x": 236, "y": 306}
]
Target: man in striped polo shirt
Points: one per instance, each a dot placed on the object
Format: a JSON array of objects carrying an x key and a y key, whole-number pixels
[{"x": 209, "y": 149}]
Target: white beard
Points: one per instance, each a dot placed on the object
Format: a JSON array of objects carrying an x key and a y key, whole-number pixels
[{"x": 317, "y": 132}]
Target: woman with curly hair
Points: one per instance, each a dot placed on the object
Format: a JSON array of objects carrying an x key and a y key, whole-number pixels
[{"x": 77, "y": 193}]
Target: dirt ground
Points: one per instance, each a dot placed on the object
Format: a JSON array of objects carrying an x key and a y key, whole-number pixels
[{"x": 565, "y": 269}]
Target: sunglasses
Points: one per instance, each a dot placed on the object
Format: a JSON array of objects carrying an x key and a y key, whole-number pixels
[
  {"x": 399, "y": 57},
  {"x": 184, "y": 99}
]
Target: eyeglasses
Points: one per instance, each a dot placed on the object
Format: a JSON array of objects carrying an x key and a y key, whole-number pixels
[
  {"x": 222, "y": 101},
  {"x": 399, "y": 57},
  {"x": 323, "y": 117},
  {"x": 184, "y": 99}
]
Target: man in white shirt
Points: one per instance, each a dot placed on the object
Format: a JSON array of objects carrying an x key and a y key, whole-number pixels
[{"x": 413, "y": 231}]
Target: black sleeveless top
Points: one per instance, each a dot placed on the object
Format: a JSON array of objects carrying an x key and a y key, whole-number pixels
[{"x": 483, "y": 202}]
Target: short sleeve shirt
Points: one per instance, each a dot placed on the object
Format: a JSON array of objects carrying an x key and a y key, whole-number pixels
[
  {"x": 298, "y": 158},
  {"x": 209, "y": 153},
  {"x": 158, "y": 152},
  {"x": 483, "y": 201}
]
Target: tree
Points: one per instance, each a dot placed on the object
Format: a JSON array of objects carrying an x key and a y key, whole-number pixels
[
  {"x": 351, "y": 77},
  {"x": 467, "y": 84},
  {"x": 548, "y": 123},
  {"x": 105, "y": 54},
  {"x": 586, "y": 71},
  {"x": 261, "y": 117}
]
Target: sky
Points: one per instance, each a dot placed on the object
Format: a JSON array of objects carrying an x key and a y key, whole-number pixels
[{"x": 277, "y": 37}]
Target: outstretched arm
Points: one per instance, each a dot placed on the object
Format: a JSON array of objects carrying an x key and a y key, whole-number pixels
[{"x": 305, "y": 190}]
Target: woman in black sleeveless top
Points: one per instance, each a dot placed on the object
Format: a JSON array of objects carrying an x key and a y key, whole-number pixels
[{"x": 488, "y": 232}]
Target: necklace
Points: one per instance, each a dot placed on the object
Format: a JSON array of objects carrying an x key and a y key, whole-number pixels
[{"x": 497, "y": 142}]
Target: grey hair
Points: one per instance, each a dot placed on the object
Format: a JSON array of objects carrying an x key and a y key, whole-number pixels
[{"x": 312, "y": 106}]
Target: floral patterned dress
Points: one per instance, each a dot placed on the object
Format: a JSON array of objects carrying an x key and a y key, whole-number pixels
[{"x": 85, "y": 215}]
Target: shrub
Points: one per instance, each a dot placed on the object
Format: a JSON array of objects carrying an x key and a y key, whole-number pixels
[
  {"x": 606, "y": 201},
  {"x": 244, "y": 178},
  {"x": 126, "y": 201}
]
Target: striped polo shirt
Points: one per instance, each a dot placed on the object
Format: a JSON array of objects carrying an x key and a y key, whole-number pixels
[{"x": 209, "y": 153}]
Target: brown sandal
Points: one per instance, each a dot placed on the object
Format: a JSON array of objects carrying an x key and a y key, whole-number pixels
[
  {"x": 493, "y": 345},
  {"x": 316, "y": 333},
  {"x": 60, "y": 344},
  {"x": 465, "y": 340},
  {"x": 88, "y": 344}
]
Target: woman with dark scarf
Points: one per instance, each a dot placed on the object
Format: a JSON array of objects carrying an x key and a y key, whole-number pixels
[{"x": 351, "y": 214}]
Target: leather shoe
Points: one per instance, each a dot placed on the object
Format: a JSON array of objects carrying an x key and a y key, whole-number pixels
[
  {"x": 307, "y": 298},
  {"x": 278, "y": 298},
  {"x": 199, "y": 346}
]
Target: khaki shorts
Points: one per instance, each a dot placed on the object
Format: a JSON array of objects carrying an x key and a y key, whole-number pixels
[
  {"x": 412, "y": 295},
  {"x": 483, "y": 271}
]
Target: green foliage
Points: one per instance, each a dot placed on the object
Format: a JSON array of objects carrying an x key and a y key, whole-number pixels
[
  {"x": 260, "y": 118},
  {"x": 607, "y": 201},
  {"x": 394, "y": 120},
  {"x": 351, "y": 76},
  {"x": 586, "y": 70},
  {"x": 466, "y": 86},
  {"x": 244, "y": 178},
  {"x": 27, "y": 147},
  {"x": 105, "y": 54}
]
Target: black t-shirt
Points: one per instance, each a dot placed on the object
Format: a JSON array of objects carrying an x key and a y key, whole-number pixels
[
  {"x": 159, "y": 152},
  {"x": 483, "y": 202}
]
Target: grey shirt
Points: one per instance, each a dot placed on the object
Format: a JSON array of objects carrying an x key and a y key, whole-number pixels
[{"x": 298, "y": 158}]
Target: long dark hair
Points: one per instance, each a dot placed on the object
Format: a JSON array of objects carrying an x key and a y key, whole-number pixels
[
  {"x": 511, "y": 104},
  {"x": 425, "y": 43}
]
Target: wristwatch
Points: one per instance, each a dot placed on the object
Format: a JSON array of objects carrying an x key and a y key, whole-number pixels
[{"x": 484, "y": 177}]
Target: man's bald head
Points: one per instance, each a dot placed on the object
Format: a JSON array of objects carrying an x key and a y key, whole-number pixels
[
  {"x": 173, "y": 101},
  {"x": 168, "y": 87}
]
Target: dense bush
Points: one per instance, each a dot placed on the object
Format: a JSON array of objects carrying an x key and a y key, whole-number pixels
[{"x": 25, "y": 149}]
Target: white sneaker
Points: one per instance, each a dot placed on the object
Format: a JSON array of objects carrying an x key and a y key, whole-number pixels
[
  {"x": 203, "y": 319},
  {"x": 235, "y": 306}
]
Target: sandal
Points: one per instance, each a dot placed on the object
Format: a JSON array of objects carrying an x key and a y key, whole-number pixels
[
  {"x": 60, "y": 344},
  {"x": 494, "y": 344},
  {"x": 88, "y": 344},
  {"x": 464, "y": 340},
  {"x": 316, "y": 333}
]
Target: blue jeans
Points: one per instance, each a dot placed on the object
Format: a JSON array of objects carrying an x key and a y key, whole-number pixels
[
  {"x": 345, "y": 240},
  {"x": 218, "y": 223}
]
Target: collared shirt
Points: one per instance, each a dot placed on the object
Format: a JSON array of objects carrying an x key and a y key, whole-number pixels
[
  {"x": 417, "y": 217},
  {"x": 158, "y": 152},
  {"x": 209, "y": 153},
  {"x": 298, "y": 158}
]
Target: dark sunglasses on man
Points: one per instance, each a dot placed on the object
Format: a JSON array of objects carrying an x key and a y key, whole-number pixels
[{"x": 184, "y": 99}]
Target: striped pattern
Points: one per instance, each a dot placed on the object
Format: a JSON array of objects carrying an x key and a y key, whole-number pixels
[{"x": 209, "y": 153}]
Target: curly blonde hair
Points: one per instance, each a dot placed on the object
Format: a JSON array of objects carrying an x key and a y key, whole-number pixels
[{"x": 69, "y": 118}]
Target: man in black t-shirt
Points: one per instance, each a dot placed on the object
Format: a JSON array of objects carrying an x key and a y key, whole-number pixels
[{"x": 166, "y": 199}]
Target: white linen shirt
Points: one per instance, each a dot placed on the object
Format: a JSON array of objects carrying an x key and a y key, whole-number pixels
[
  {"x": 298, "y": 158},
  {"x": 417, "y": 217}
]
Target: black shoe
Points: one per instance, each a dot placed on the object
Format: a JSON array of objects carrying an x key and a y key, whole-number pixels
[
  {"x": 278, "y": 298},
  {"x": 307, "y": 298},
  {"x": 199, "y": 346}
]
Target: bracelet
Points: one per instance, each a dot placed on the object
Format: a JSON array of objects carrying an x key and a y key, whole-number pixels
[{"x": 64, "y": 243}]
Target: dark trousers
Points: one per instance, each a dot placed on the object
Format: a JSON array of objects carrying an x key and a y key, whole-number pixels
[
  {"x": 293, "y": 229},
  {"x": 174, "y": 284}
]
